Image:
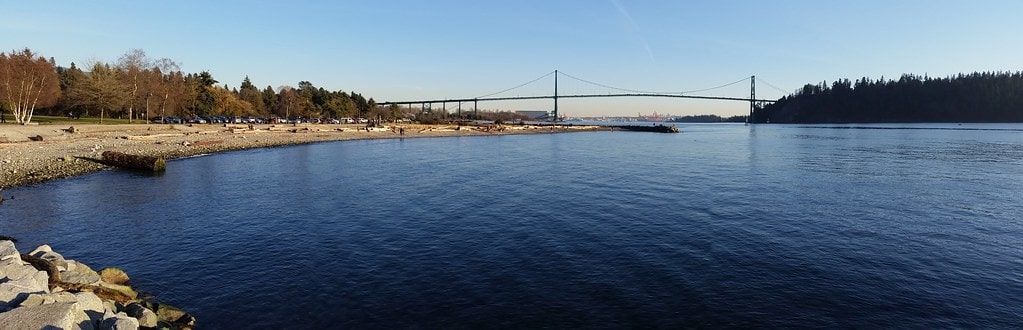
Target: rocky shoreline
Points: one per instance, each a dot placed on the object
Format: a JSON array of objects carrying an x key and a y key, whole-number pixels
[
  {"x": 43, "y": 290},
  {"x": 38, "y": 153}
]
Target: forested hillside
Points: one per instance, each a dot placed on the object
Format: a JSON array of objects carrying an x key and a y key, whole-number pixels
[{"x": 968, "y": 98}]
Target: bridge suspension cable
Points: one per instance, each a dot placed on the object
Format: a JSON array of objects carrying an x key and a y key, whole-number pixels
[
  {"x": 783, "y": 92},
  {"x": 652, "y": 92},
  {"x": 527, "y": 83},
  {"x": 716, "y": 87},
  {"x": 614, "y": 88},
  {"x": 625, "y": 93}
]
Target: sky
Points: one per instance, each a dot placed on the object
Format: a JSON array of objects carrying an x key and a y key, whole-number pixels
[{"x": 415, "y": 50}]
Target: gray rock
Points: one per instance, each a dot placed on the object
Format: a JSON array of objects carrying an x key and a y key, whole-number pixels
[
  {"x": 146, "y": 317},
  {"x": 119, "y": 321},
  {"x": 17, "y": 282},
  {"x": 49, "y": 316},
  {"x": 24, "y": 275},
  {"x": 64, "y": 296},
  {"x": 8, "y": 252},
  {"x": 11, "y": 299},
  {"x": 91, "y": 305},
  {"x": 46, "y": 252},
  {"x": 110, "y": 305},
  {"x": 79, "y": 273},
  {"x": 88, "y": 307},
  {"x": 36, "y": 299}
]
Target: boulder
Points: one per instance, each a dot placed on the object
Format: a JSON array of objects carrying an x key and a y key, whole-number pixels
[
  {"x": 119, "y": 321},
  {"x": 111, "y": 305},
  {"x": 79, "y": 273},
  {"x": 24, "y": 275},
  {"x": 36, "y": 299},
  {"x": 113, "y": 275},
  {"x": 19, "y": 281},
  {"x": 169, "y": 313},
  {"x": 146, "y": 317},
  {"x": 92, "y": 306},
  {"x": 88, "y": 309},
  {"x": 126, "y": 290},
  {"x": 46, "y": 253},
  {"x": 8, "y": 252},
  {"x": 48, "y": 316}
]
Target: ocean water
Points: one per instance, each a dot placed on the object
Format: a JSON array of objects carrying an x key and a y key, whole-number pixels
[{"x": 724, "y": 225}]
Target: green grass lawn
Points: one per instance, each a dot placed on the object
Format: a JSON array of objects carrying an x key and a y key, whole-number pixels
[{"x": 61, "y": 120}]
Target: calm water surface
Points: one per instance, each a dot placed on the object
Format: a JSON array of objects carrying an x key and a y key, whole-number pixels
[{"x": 913, "y": 226}]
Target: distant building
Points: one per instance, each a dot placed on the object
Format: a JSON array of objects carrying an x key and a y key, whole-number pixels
[{"x": 536, "y": 114}]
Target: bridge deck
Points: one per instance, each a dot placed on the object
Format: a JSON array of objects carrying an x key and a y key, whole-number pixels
[{"x": 511, "y": 98}]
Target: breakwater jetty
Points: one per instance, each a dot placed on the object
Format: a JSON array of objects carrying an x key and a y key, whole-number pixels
[
  {"x": 43, "y": 290},
  {"x": 659, "y": 128}
]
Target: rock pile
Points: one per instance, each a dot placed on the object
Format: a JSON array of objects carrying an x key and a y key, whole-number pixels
[{"x": 43, "y": 290}]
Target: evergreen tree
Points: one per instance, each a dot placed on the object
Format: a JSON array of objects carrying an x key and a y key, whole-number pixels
[{"x": 976, "y": 97}]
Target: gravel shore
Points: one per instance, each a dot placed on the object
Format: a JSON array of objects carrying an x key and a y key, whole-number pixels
[{"x": 38, "y": 153}]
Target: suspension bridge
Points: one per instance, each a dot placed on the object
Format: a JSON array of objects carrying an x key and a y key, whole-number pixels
[{"x": 616, "y": 92}]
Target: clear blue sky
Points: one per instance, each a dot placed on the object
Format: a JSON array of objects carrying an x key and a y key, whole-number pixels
[{"x": 401, "y": 50}]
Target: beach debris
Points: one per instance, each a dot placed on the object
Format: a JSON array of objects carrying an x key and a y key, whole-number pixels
[{"x": 148, "y": 163}]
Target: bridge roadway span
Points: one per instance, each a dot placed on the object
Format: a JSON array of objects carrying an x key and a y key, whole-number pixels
[{"x": 511, "y": 98}]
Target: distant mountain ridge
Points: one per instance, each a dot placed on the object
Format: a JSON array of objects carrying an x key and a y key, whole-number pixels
[{"x": 977, "y": 97}]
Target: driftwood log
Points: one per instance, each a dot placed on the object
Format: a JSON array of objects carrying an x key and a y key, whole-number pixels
[{"x": 148, "y": 163}]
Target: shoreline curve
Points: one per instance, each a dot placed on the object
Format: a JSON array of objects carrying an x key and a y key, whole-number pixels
[{"x": 32, "y": 154}]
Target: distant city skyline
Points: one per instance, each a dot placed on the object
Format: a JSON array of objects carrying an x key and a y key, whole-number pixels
[{"x": 409, "y": 50}]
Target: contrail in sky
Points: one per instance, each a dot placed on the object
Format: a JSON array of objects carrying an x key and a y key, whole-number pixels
[{"x": 635, "y": 28}]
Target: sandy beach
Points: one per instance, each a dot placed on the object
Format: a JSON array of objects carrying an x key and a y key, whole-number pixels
[{"x": 38, "y": 153}]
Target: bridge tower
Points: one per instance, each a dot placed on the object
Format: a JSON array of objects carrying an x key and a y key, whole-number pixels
[
  {"x": 752, "y": 97},
  {"x": 555, "y": 96}
]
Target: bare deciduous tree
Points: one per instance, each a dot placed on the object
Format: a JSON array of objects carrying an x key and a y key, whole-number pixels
[
  {"x": 101, "y": 90},
  {"x": 27, "y": 82},
  {"x": 134, "y": 64}
]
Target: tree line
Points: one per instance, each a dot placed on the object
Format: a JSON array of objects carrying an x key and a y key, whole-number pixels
[
  {"x": 137, "y": 87},
  {"x": 975, "y": 97}
]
